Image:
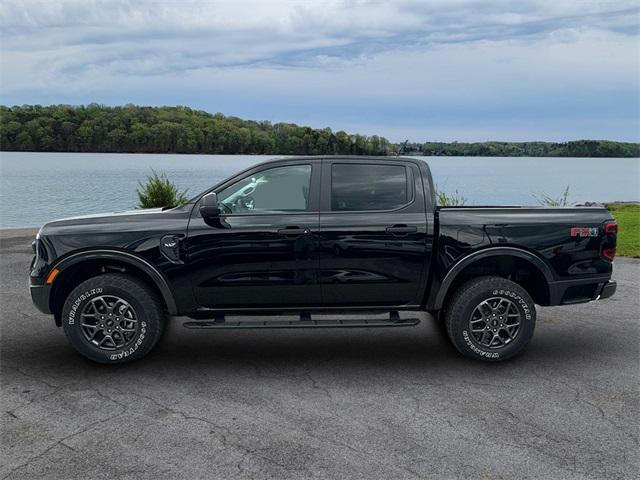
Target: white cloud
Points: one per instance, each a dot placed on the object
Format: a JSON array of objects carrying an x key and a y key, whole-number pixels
[{"x": 428, "y": 58}]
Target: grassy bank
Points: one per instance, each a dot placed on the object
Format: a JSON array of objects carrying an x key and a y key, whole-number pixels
[{"x": 628, "y": 217}]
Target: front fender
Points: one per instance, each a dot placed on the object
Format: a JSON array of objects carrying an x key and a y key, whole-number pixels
[{"x": 128, "y": 258}]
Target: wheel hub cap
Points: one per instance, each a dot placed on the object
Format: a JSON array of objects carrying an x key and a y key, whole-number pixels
[
  {"x": 495, "y": 322},
  {"x": 109, "y": 322}
]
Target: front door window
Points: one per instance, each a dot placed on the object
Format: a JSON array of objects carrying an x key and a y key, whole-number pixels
[{"x": 276, "y": 190}]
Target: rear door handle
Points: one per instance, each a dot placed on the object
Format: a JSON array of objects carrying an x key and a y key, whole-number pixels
[
  {"x": 401, "y": 230},
  {"x": 293, "y": 231}
]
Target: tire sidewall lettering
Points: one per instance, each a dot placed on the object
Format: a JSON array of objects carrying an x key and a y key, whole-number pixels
[
  {"x": 521, "y": 301},
  {"x": 475, "y": 349},
  {"x": 71, "y": 319},
  {"x": 132, "y": 349}
]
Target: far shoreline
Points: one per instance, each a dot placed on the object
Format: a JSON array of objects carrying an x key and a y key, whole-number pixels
[
  {"x": 190, "y": 154},
  {"x": 178, "y": 129}
]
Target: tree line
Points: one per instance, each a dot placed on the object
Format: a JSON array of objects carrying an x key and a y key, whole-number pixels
[
  {"x": 136, "y": 129},
  {"x": 577, "y": 148}
]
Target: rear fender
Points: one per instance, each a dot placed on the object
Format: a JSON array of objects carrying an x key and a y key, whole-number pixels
[{"x": 482, "y": 254}]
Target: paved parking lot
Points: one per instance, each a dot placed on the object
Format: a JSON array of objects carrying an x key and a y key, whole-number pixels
[{"x": 357, "y": 404}]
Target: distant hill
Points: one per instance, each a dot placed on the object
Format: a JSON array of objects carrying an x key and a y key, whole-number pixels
[{"x": 136, "y": 129}]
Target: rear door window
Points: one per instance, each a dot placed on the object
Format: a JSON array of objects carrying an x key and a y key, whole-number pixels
[{"x": 361, "y": 187}]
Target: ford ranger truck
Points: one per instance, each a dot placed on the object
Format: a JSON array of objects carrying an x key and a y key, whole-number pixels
[{"x": 314, "y": 237}]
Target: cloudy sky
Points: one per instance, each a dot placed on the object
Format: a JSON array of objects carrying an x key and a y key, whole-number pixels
[{"x": 422, "y": 70}]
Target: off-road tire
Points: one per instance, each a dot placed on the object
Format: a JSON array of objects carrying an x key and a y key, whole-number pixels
[
  {"x": 463, "y": 304},
  {"x": 143, "y": 301}
]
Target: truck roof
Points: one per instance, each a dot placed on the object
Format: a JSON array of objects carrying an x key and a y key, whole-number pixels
[{"x": 347, "y": 158}]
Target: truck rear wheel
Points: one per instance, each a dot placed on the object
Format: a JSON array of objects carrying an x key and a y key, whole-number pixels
[
  {"x": 490, "y": 318},
  {"x": 113, "y": 318}
]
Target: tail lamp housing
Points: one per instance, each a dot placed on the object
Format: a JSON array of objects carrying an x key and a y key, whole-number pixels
[{"x": 608, "y": 249}]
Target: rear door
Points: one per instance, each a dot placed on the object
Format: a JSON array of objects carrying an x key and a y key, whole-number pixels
[{"x": 373, "y": 233}]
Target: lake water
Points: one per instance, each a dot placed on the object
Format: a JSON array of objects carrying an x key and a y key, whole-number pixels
[{"x": 39, "y": 187}]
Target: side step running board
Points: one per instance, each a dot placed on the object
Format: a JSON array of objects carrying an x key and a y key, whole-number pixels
[{"x": 305, "y": 322}]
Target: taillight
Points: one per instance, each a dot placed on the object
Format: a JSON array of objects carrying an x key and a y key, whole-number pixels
[{"x": 608, "y": 250}]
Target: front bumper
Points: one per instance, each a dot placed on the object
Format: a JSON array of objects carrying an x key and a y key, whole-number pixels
[{"x": 40, "y": 296}]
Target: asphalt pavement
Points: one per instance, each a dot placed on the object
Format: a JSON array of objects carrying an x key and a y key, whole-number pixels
[{"x": 392, "y": 403}]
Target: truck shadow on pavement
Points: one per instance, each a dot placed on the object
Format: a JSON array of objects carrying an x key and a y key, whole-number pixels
[{"x": 425, "y": 348}]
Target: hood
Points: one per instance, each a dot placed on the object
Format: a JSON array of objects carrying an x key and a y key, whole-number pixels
[
  {"x": 140, "y": 211},
  {"x": 112, "y": 220}
]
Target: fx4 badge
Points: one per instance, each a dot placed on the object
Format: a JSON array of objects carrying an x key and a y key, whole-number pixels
[{"x": 584, "y": 231}]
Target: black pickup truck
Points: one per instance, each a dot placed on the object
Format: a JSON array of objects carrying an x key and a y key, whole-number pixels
[{"x": 317, "y": 236}]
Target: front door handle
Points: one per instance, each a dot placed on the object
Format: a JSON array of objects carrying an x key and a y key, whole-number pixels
[
  {"x": 293, "y": 231},
  {"x": 401, "y": 230}
]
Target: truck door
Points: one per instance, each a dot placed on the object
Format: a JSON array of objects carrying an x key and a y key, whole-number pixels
[
  {"x": 373, "y": 233},
  {"x": 265, "y": 250}
]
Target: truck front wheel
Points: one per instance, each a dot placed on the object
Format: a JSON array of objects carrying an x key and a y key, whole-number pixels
[
  {"x": 490, "y": 318},
  {"x": 113, "y": 318}
]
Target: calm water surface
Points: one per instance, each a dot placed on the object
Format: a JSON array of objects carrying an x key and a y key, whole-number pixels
[{"x": 39, "y": 187}]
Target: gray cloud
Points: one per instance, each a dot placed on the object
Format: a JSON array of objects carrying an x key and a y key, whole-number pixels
[
  {"x": 153, "y": 37},
  {"x": 338, "y": 57}
]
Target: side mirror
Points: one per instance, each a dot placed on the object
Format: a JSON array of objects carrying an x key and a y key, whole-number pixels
[{"x": 209, "y": 208}]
